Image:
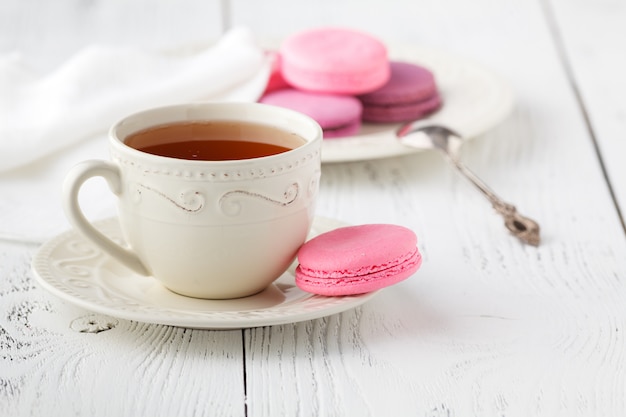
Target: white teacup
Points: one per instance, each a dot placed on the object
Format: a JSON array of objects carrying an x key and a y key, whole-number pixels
[{"x": 207, "y": 229}]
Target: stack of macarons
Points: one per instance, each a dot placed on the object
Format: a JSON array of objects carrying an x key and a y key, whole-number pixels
[
  {"x": 342, "y": 77},
  {"x": 357, "y": 259}
]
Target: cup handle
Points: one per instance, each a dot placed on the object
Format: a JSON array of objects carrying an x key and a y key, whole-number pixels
[{"x": 74, "y": 180}]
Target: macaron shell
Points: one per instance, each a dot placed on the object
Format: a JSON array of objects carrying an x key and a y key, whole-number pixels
[
  {"x": 337, "y": 115},
  {"x": 359, "y": 284},
  {"x": 401, "y": 112},
  {"x": 334, "y": 60},
  {"x": 353, "y": 248}
]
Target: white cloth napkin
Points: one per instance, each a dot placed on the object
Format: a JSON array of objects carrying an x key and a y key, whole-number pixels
[{"x": 50, "y": 122}]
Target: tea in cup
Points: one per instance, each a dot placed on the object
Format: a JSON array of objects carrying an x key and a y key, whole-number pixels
[{"x": 214, "y": 199}]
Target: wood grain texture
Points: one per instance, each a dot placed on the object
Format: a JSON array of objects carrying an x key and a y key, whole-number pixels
[
  {"x": 53, "y": 363},
  {"x": 487, "y": 327},
  {"x": 597, "y": 72}
]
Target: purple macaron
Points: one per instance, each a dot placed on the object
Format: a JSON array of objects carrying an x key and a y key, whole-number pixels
[
  {"x": 410, "y": 94},
  {"x": 338, "y": 115}
]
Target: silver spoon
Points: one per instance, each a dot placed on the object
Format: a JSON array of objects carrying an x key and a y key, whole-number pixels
[{"x": 422, "y": 136}]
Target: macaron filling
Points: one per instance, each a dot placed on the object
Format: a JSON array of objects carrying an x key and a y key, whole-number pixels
[
  {"x": 401, "y": 112},
  {"x": 388, "y": 268},
  {"x": 360, "y": 284},
  {"x": 337, "y": 115},
  {"x": 336, "y": 82}
]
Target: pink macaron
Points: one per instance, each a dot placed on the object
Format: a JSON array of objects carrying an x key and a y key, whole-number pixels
[
  {"x": 276, "y": 80},
  {"x": 337, "y": 115},
  {"x": 357, "y": 259},
  {"x": 410, "y": 94},
  {"x": 334, "y": 60}
]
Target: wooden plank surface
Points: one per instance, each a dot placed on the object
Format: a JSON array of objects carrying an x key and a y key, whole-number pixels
[
  {"x": 597, "y": 72},
  {"x": 60, "y": 360},
  {"x": 487, "y": 327}
]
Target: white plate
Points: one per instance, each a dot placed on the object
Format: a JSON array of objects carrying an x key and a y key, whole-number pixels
[
  {"x": 474, "y": 100},
  {"x": 75, "y": 270}
]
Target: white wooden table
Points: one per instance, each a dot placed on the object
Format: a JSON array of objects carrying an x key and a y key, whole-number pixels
[{"x": 487, "y": 327}]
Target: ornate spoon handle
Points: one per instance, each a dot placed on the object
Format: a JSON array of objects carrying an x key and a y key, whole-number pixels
[{"x": 525, "y": 229}]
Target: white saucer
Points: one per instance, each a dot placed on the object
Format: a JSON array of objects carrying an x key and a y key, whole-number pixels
[
  {"x": 75, "y": 270},
  {"x": 474, "y": 100}
]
